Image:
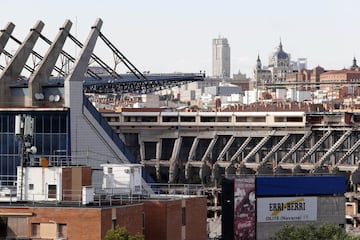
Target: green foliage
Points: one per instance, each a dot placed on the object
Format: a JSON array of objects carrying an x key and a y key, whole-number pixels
[
  {"x": 310, "y": 232},
  {"x": 121, "y": 233}
]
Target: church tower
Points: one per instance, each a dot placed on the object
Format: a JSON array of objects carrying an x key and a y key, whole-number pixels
[{"x": 279, "y": 64}]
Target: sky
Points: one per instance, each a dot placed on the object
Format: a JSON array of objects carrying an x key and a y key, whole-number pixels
[{"x": 164, "y": 36}]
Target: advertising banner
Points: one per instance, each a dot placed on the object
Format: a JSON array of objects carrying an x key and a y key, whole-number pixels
[
  {"x": 244, "y": 208},
  {"x": 287, "y": 209}
]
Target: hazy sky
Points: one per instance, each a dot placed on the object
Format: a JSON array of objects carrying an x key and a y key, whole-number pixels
[{"x": 176, "y": 36}]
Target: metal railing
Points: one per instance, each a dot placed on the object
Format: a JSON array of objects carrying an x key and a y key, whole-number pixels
[{"x": 100, "y": 196}]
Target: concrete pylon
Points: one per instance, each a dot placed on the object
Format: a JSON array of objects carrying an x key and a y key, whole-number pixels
[
  {"x": 42, "y": 73},
  {"x": 5, "y": 35},
  {"x": 73, "y": 85},
  {"x": 13, "y": 69}
]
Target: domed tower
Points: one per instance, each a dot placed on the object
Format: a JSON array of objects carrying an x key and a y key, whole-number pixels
[
  {"x": 260, "y": 75},
  {"x": 354, "y": 65},
  {"x": 279, "y": 64},
  {"x": 258, "y": 63}
]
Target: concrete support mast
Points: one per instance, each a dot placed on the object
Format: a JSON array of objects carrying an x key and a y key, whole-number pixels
[
  {"x": 73, "y": 85},
  {"x": 5, "y": 35},
  {"x": 42, "y": 73},
  {"x": 13, "y": 69}
]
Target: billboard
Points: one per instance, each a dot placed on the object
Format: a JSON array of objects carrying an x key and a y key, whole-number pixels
[
  {"x": 269, "y": 186},
  {"x": 244, "y": 208},
  {"x": 286, "y": 209}
]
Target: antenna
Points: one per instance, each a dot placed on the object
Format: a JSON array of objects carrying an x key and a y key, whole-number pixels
[{"x": 24, "y": 130}]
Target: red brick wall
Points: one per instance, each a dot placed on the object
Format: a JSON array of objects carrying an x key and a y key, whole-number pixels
[
  {"x": 82, "y": 223},
  {"x": 155, "y": 220},
  {"x": 73, "y": 178},
  {"x": 196, "y": 214},
  {"x": 173, "y": 217},
  {"x": 131, "y": 218},
  {"x": 163, "y": 219},
  {"x": 106, "y": 221},
  {"x": 85, "y": 223}
]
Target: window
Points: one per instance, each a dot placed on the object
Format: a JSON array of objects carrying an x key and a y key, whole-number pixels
[
  {"x": 170, "y": 119},
  {"x": 35, "y": 229},
  {"x": 51, "y": 191},
  {"x": 143, "y": 220},
  {"x": 62, "y": 230},
  {"x": 207, "y": 119},
  {"x": 223, "y": 119},
  {"x": 110, "y": 170},
  {"x": 183, "y": 216},
  {"x": 187, "y": 119},
  {"x": 3, "y": 227},
  {"x": 241, "y": 119}
]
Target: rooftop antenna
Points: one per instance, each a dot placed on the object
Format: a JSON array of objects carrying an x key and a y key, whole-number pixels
[{"x": 24, "y": 131}]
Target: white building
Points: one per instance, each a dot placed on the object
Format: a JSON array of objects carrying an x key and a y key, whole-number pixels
[
  {"x": 221, "y": 58},
  {"x": 298, "y": 96},
  {"x": 122, "y": 178},
  {"x": 53, "y": 183},
  {"x": 150, "y": 100},
  {"x": 280, "y": 93},
  {"x": 207, "y": 100},
  {"x": 233, "y": 99},
  {"x": 250, "y": 96}
]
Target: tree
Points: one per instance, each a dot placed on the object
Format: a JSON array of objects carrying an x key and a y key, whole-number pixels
[
  {"x": 121, "y": 233},
  {"x": 310, "y": 232}
]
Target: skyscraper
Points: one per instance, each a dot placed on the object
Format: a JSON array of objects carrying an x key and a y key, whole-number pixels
[{"x": 221, "y": 57}]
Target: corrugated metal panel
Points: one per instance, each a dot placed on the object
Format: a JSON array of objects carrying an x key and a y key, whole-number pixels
[{"x": 300, "y": 185}]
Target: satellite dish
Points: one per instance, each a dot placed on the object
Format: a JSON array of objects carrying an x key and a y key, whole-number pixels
[
  {"x": 33, "y": 149},
  {"x": 51, "y": 98},
  {"x": 39, "y": 96},
  {"x": 57, "y": 98}
]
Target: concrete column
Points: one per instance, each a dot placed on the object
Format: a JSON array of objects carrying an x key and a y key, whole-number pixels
[
  {"x": 312, "y": 156},
  {"x": 73, "y": 85},
  {"x": 42, "y": 74},
  {"x": 158, "y": 156},
  {"x": 5, "y": 35},
  {"x": 142, "y": 151},
  {"x": 193, "y": 149},
  {"x": 13, "y": 69},
  {"x": 158, "y": 150},
  {"x": 226, "y": 148},
  {"x": 174, "y": 160},
  {"x": 331, "y": 143},
  {"x": 209, "y": 149}
]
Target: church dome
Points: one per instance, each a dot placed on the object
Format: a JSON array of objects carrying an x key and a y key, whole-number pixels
[{"x": 280, "y": 54}]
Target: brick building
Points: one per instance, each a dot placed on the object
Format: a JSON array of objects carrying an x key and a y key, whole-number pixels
[
  {"x": 55, "y": 202},
  {"x": 166, "y": 218}
]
